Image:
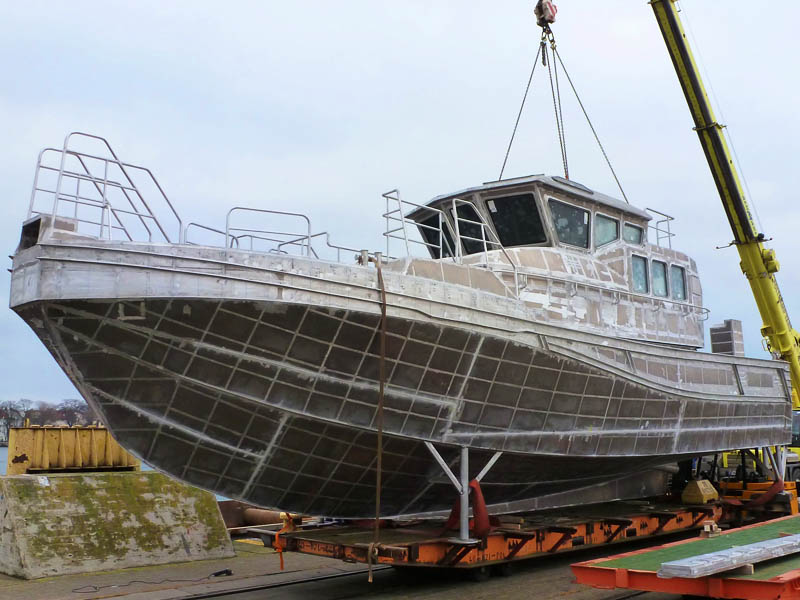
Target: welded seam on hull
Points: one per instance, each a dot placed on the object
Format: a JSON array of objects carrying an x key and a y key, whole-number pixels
[
  {"x": 505, "y": 332},
  {"x": 577, "y": 356},
  {"x": 253, "y": 399},
  {"x": 224, "y": 264},
  {"x": 520, "y": 307},
  {"x": 679, "y": 424},
  {"x": 262, "y": 457},
  {"x": 279, "y": 272},
  {"x": 261, "y": 463},
  {"x": 151, "y": 334},
  {"x": 159, "y": 420},
  {"x": 296, "y": 369},
  {"x": 63, "y": 358},
  {"x": 446, "y": 436},
  {"x": 578, "y": 412},
  {"x": 589, "y": 432},
  {"x": 459, "y": 405},
  {"x": 228, "y": 382},
  {"x": 186, "y": 369}
]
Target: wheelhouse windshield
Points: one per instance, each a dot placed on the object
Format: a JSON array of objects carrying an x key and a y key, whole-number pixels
[{"x": 517, "y": 220}]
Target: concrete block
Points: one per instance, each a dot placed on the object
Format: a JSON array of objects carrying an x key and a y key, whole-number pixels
[{"x": 76, "y": 523}]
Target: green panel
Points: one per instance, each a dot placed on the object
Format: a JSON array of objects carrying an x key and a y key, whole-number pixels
[{"x": 651, "y": 560}]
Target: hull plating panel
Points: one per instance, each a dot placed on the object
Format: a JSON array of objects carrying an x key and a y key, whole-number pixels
[{"x": 275, "y": 403}]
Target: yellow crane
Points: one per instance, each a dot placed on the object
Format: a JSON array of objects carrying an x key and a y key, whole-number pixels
[{"x": 758, "y": 263}]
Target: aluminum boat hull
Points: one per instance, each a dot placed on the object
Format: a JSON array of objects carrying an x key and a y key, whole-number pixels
[{"x": 256, "y": 376}]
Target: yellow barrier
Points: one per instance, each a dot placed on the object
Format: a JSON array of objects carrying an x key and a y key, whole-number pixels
[{"x": 51, "y": 449}]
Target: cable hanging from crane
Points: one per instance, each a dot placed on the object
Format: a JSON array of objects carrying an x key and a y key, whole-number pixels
[
  {"x": 556, "y": 93},
  {"x": 589, "y": 121},
  {"x": 519, "y": 114},
  {"x": 545, "y": 12}
]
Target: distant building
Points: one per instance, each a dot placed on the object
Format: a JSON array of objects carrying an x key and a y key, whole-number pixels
[{"x": 727, "y": 338}]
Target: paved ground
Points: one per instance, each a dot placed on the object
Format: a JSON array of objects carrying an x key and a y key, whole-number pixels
[
  {"x": 253, "y": 565},
  {"x": 541, "y": 579}
]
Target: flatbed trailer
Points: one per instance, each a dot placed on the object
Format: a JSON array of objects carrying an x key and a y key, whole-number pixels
[
  {"x": 638, "y": 570},
  {"x": 513, "y": 538}
]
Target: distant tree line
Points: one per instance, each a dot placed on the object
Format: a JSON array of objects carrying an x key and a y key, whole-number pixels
[{"x": 13, "y": 413}]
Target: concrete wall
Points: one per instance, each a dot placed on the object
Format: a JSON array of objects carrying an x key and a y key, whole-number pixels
[{"x": 72, "y": 523}]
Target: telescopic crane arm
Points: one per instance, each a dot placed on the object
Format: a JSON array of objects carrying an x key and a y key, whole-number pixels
[{"x": 758, "y": 263}]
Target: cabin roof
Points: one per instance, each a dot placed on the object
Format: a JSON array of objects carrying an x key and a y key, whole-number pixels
[{"x": 565, "y": 185}]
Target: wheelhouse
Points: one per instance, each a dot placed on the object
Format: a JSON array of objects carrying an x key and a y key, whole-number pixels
[
  {"x": 557, "y": 215},
  {"x": 527, "y": 212}
]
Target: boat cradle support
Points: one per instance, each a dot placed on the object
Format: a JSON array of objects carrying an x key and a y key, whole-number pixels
[{"x": 462, "y": 484}]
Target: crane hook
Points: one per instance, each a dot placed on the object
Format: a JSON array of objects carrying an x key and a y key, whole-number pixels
[{"x": 545, "y": 12}]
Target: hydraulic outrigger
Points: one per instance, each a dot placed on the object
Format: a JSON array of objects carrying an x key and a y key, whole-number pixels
[{"x": 758, "y": 263}]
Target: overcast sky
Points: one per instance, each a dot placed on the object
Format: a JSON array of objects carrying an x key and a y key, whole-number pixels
[{"x": 319, "y": 107}]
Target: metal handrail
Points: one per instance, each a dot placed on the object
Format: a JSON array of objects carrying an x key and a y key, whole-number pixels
[
  {"x": 199, "y": 226},
  {"x": 662, "y": 234},
  {"x": 488, "y": 239},
  {"x": 122, "y": 167},
  {"x": 338, "y": 248},
  {"x": 397, "y": 215},
  {"x": 229, "y": 229},
  {"x": 328, "y": 243},
  {"x": 484, "y": 229},
  {"x": 140, "y": 207},
  {"x": 56, "y": 193},
  {"x": 236, "y": 240}
]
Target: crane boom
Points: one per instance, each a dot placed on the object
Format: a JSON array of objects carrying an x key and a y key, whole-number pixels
[{"x": 758, "y": 263}]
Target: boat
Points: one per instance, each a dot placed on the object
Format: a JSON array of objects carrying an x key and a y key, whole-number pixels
[{"x": 529, "y": 320}]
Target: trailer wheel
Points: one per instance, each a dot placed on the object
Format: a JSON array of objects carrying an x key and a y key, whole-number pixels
[
  {"x": 503, "y": 569},
  {"x": 795, "y": 473}
]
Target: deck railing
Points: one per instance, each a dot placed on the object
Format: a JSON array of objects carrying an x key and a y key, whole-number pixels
[
  {"x": 445, "y": 241},
  {"x": 274, "y": 238},
  {"x": 662, "y": 230},
  {"x": 102, "y": 196}
]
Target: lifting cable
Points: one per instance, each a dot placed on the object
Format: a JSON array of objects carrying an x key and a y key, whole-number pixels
[
  {"x": 519, "y": 114},
  {"x": 589, "y": 121},
  {"x": 552, "y": 69},
  {"x": 556, "y": 93}
]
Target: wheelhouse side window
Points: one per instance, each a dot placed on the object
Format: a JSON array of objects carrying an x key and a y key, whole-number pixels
[
  {"x": 436, "y": 237},
  {"x": 571, "y": 223},
  {"x": 470, "y": 230},
  {"x": 659, "y": 278},
  {"x": 606, "y": 230},
  {"x": 517, "y": 220},
  {"x": 677, "y": 280},
  {"x": 632, "y": 234},
  {"x": 639, "y": 274}
]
